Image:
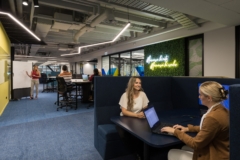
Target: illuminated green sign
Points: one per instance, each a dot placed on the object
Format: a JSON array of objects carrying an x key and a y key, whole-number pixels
[{"x": 161, "y": 62}]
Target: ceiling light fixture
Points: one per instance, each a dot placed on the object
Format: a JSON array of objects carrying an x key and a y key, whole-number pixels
[
  {"x": 119, "y": 34},
  {"x": 19, "y": 23},
  {"x": 35, "y": 3},
  {"x": 96, "y": 44},
  {"x": 25, "y": 2},
  {"x": 19, "y": 56}
]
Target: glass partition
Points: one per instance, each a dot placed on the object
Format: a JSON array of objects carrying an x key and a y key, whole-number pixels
[
  {"x": 114, "y": 65},
  {"x": 138, "y": 63},
  {"x": 125, "y": 64},
  {"x": 105, "y": 65}
]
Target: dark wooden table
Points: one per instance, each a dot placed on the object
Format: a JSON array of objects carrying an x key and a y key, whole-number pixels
[
  {"x": 86, "y": 89},
  {"x": 140, "y": 128}
]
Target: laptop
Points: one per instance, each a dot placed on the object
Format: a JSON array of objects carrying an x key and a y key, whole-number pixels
[
  {"x": 154, "y": 122},
  {"x": 85, "y": 77}
]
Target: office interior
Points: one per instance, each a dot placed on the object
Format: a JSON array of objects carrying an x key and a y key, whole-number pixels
[{"x": 66, "y": 28}]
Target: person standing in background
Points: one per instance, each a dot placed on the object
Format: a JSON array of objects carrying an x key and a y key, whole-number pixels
[{"x": 35, "y": 75}]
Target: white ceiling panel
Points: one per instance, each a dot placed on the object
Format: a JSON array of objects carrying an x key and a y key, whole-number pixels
[
  {"x": 233, "y": 6},
  {"x": 218, "y": 1}
]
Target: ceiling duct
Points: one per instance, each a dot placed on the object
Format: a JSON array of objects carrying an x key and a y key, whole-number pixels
[
  {"x": 111, "y": 17},
  {"x": 22, "y": 49},
  {"x": 65, "y": 22},
  {"x": 65, "y": 47},
  {"x": 19, "y": 8},
  {"x": 95, "y": 22},
  {"x": 43, "y": 53},
  {"x": 12, "y": 6},
  {"x": 60, "y": 25}
]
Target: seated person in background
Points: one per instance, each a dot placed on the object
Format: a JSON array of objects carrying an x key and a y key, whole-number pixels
[
  {"x": 95, "y": 73},
  {"x": 99, "y": 72},
  {"x": 67, "y": 77},
  {"x": 65, "y": 74},
  {"x": 132, "y": 102},
  {"x": 212, "y": 140}
]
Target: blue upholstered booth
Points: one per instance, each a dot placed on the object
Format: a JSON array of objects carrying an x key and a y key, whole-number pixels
[
  {"x": 234, "y": 121},
  {"x": 165, "y": 93}
]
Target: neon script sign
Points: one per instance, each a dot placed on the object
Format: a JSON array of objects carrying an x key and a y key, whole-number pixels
[{"x": 164, "y": 59}]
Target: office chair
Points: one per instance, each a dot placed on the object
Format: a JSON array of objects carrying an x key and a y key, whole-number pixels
[
  {"x": 64, "y": 90},
  {"x": 44, "y": 80}
]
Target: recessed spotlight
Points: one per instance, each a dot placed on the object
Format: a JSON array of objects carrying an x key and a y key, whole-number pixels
[
  {"x": 25, "y": 2},
  {"x": 35, "y": 3}
]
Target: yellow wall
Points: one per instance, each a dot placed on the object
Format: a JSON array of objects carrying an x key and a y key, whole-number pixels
[{"x": 4, "y": 52}]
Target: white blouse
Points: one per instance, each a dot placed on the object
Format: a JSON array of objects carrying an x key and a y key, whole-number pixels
[{"x": 139, "y": 103}]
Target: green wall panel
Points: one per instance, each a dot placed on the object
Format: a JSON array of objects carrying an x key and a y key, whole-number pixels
[{"x": 174, "y": 50}]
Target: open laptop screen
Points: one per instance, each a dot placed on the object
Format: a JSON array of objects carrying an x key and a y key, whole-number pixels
[
  {"x": 85, "y": 77},
  {"x": 151, "y": 116}
]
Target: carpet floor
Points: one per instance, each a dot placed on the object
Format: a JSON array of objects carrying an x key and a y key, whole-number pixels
[
  {"x": 26, "y": 110},
  {"x": 61, "y": 138},
  {"x": 33, "y": 129}
]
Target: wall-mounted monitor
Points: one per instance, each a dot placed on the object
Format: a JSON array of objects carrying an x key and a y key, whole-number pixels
[{"x": 225, "y": 103}]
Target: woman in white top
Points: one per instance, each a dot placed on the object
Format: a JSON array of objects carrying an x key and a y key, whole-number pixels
[{"x": 132, "y": 102}]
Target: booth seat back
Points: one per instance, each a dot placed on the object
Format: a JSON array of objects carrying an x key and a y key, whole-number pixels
[
  {"x": 234, "y": 91},
  {"x": 185, "y": 90}
]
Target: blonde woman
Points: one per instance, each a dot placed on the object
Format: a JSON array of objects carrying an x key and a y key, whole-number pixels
[
  {"x": 132, "y": 102},
  {"x": 35, "y": 75},
  {"x": 212, "y": 139}
]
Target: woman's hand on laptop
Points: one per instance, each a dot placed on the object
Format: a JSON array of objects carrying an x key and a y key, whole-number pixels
[
  {"x": 168, "y": 130},
  {"x": 183, "y": 129},
  {"x": 140, "y": 115}
]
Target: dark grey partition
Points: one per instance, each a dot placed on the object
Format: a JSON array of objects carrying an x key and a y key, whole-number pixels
[{"x": 234, "y": 92}]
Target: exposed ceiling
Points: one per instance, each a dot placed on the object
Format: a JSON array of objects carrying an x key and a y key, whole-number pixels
[{"x": 66, "y": 25}]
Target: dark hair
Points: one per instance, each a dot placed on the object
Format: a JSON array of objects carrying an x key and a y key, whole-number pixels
[
  {"x": 64, "y": 68},
  {"x": 95, "y": 71}
]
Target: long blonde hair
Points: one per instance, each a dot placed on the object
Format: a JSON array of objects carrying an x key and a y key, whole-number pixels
[
  {"x": 130, "y": 92},
  {"x": 215, "y": 90}
]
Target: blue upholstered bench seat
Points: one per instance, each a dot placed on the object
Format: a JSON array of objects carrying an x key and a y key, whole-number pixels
[
  {"x": 110, "y": 144},
  {"x": 108, "y": 132}
]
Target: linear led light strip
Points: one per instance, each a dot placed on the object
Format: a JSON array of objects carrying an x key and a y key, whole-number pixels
[
  {"x": 19, "y": 56},
  {"x": 18, "y": 22},
  {"x": 79, "y": 48}
]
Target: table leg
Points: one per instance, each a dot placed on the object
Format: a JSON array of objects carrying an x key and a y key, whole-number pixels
[
  {"x": 76, "y": 96},
  {"x": 145, "y": 152},
  {"x": 57, "y": 99}
]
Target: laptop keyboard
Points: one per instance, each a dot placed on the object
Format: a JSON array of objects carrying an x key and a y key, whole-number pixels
[{"x": 158, "y": 129}]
